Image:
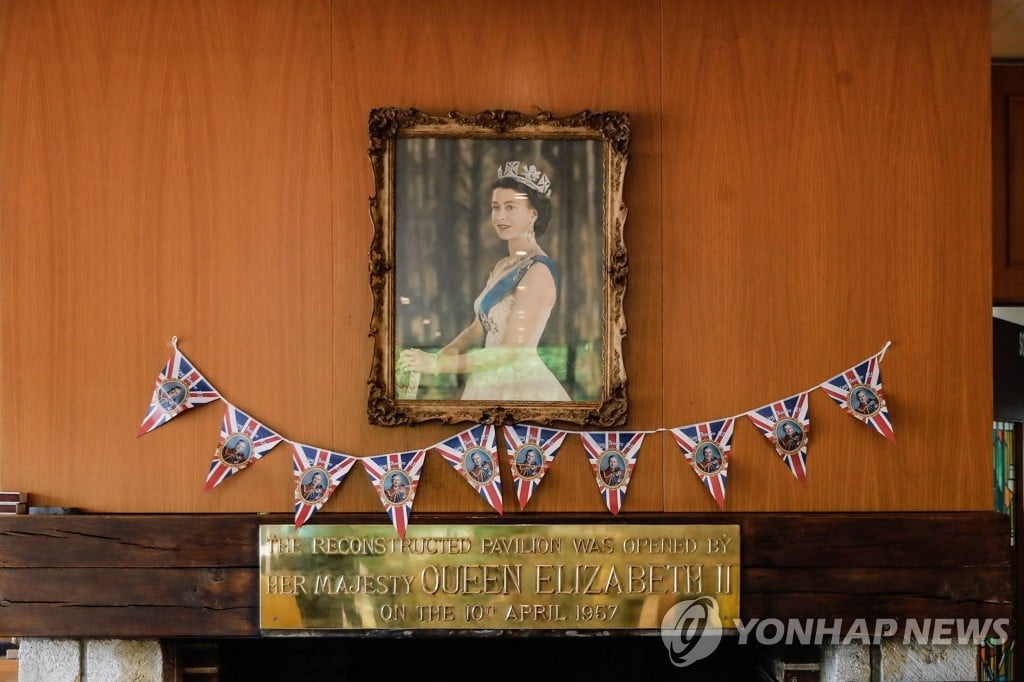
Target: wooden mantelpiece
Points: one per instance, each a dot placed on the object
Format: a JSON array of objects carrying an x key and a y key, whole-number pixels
[{"x": 196, "y": 575}]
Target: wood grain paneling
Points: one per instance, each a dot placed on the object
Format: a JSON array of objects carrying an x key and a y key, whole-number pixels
[
  {"x": 458, "y": 57},
  {"x": 167, "y": 172},
  {"x": 832, "y": 191},
  {"x": 807, "y": 181}
]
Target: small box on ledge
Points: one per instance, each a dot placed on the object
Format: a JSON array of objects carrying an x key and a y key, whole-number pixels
[{"x": 13, "y": 503}]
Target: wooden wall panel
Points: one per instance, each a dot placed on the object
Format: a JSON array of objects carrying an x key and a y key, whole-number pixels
[
  {"x": 457, "y": 56},
  {"x": 166, "y": 171},
  {"x": 808, "y": 180},
  {"x": 831, "y": 187}
]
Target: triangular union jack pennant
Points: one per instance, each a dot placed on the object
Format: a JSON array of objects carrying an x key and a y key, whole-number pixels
[
  {"x": 317, "y": 474},
  {"x": 473, "y": 455},
  {"x": 706, "y": 447},
  {"x": 612, "y": 456},
  {"x": 531, "y": 450},
  {"x": 858, "y": 391},
  {"x": 243, "y": 440},
  {"x": 395, "y": 477},
  {"x": 179, "y": 387},
  {"x": 786, "y": 426}
]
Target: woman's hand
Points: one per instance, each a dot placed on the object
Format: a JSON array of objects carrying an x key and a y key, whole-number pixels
[{"x": 413, "y": 360}]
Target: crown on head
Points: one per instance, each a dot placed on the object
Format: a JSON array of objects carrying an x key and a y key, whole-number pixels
[{"x": 530, "y": 176}]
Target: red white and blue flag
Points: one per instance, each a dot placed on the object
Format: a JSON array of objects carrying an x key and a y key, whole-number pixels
[
  {"x": 179, "y": 387},
  {"x": 243, "y": 440},
  {"x": 612, "y": 456},
  {"x": 858, "y": 391},
  {"x": 706, "y": 447},
  {"x": 786, "y": 426},
  {"x": 531, "y": 450},
  {"x": 317, "y": 474},
  {"x": 473, "y": 455},
  {"x": 395, "y": 477}
]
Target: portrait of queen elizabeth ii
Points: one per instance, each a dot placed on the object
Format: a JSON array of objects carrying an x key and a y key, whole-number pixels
[
  {"x": 498, "y": 267},
  {"x": 498, "y": 254}
]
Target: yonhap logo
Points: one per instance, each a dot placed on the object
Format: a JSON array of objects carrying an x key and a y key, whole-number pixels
[{"x": 691, "y": 630}]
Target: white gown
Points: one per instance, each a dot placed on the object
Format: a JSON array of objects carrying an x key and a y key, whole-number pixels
[{"x": 502, "y": 373}]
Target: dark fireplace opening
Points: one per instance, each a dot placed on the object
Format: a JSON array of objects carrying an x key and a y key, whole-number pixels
[{"x": 525, "y": 658}]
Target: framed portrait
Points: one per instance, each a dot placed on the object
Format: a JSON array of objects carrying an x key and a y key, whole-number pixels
[{"x": 498, "y": 267}]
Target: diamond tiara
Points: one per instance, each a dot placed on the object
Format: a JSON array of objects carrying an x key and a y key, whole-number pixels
[{"x": 530, "y": 176}]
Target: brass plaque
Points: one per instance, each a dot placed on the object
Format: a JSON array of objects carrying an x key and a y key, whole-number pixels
[{"x": 484, "y": 577}]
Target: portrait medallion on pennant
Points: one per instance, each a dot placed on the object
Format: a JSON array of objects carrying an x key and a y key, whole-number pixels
[
  {"x": 396, "y": 487},
  {"x": 479, "y": 466},
  {"x": 172, "y": 395},
  {"x": 236, "y": 450},
  {"x": 529, "y": 461},
  {"x": 613, "y": 469},
  {"x": 314, "y": 485},
  {"x": 708, "y": 457},
  {"x": 789, "y": 436},
  {"x": 864, "y": 401}
]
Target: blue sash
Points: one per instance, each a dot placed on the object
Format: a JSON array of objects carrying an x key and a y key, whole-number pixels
[{"x": 510, "y": 280}]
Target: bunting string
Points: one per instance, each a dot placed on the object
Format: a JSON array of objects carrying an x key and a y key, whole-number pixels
[{"x": 531, "y": 450}]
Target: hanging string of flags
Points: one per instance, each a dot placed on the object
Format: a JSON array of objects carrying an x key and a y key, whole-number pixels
[{"x": 531, "y": 450}]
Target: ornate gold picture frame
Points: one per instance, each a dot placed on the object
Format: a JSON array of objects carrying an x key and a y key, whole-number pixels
[{"x": 498, "y": 267}]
